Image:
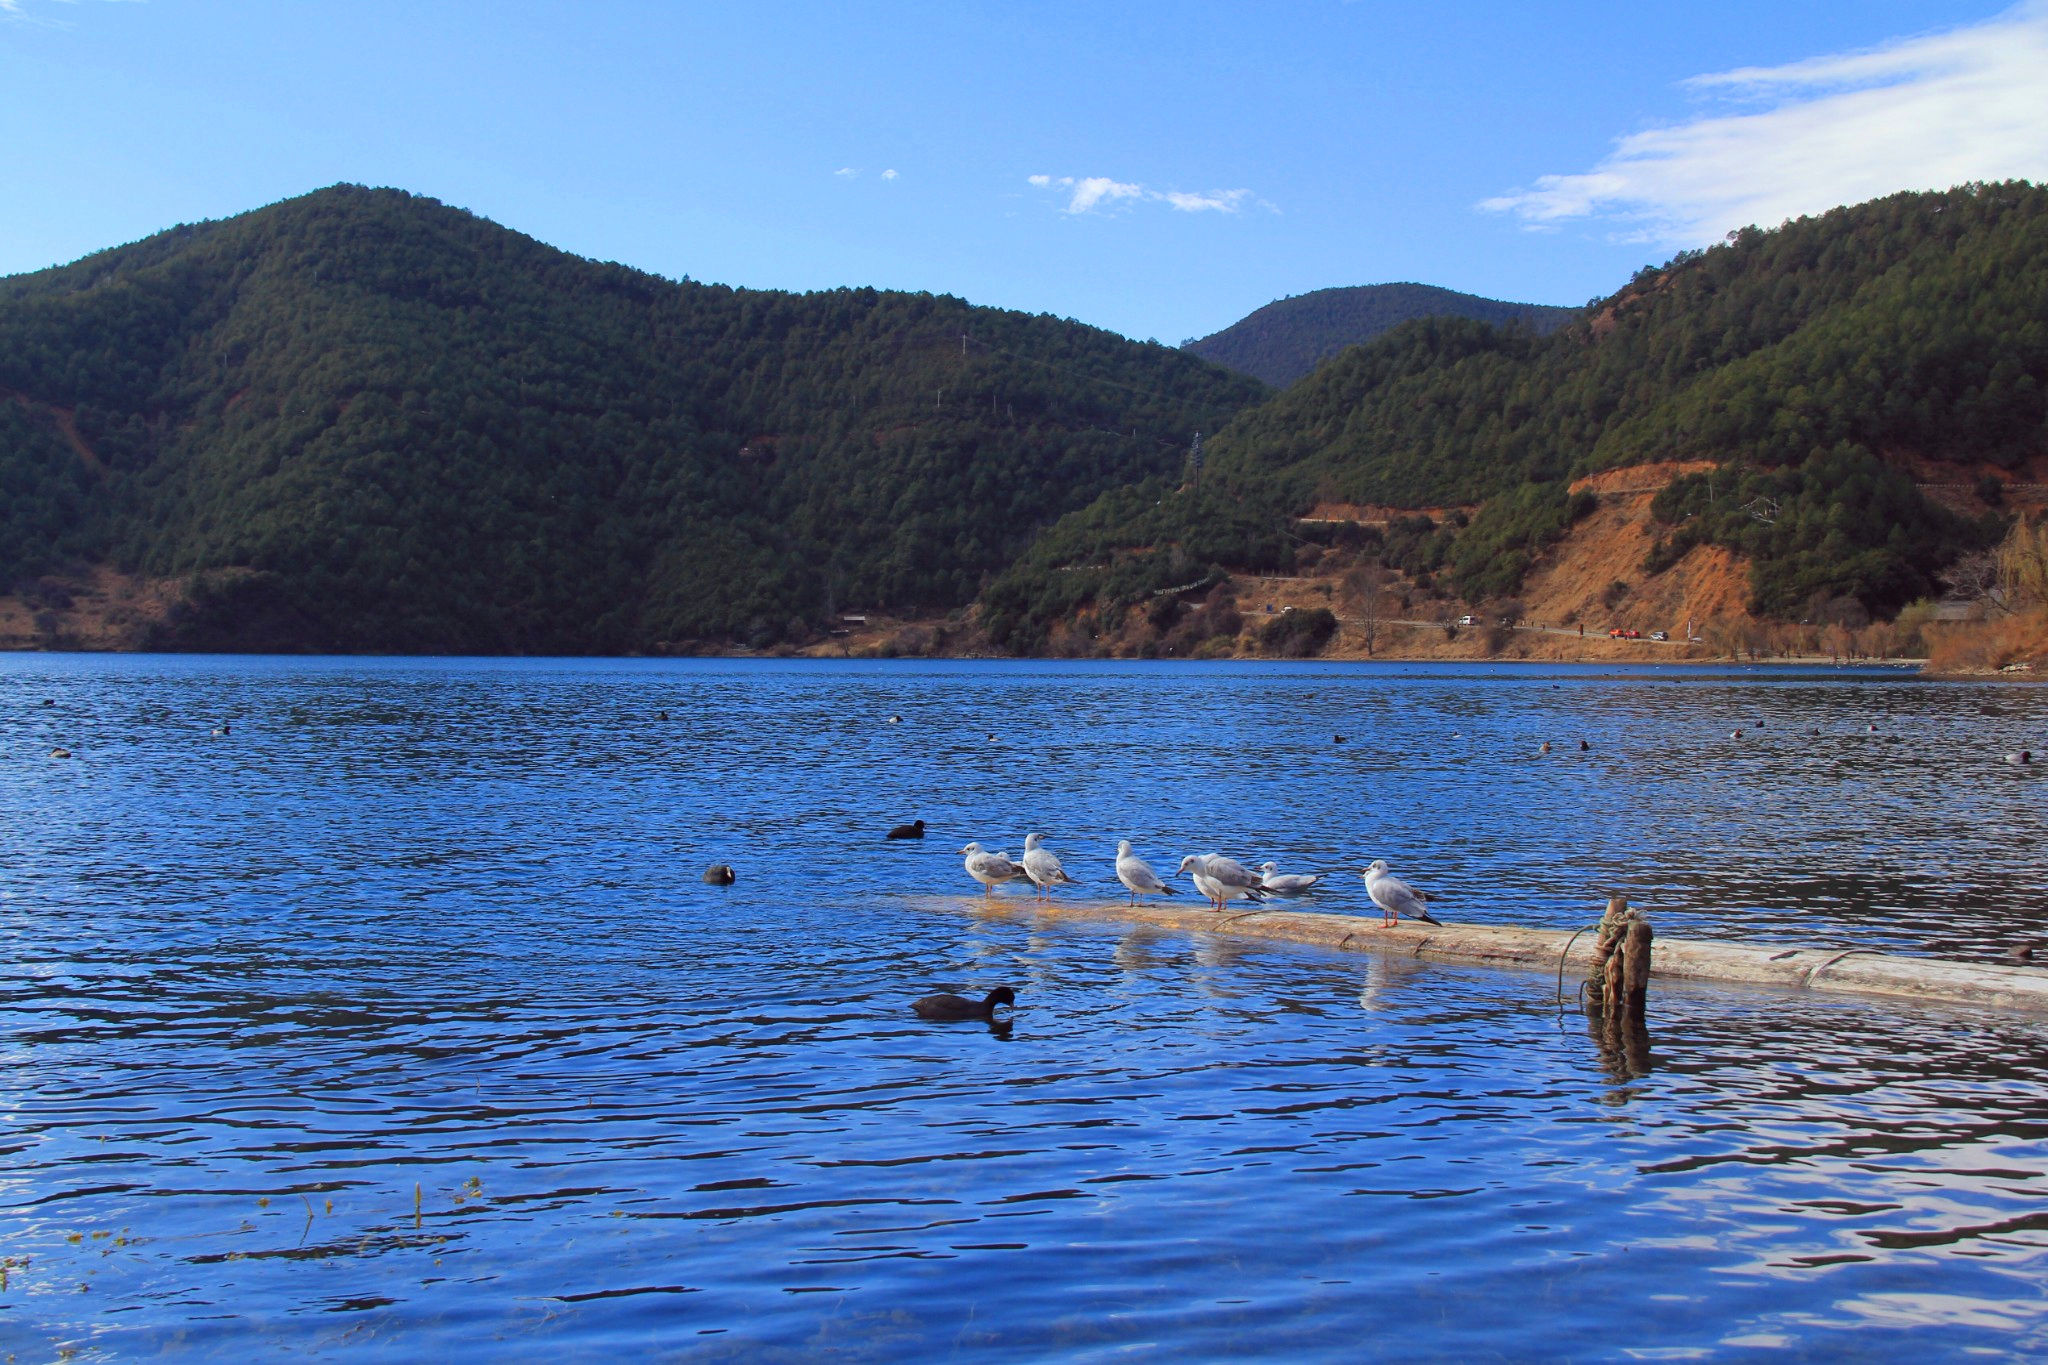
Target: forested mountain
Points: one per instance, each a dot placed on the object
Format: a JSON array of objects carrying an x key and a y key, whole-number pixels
[
  {"x": 363, "y": 420},
  {"x": 1286, "y": 340},
  {"x": 1815, "y": 364}
]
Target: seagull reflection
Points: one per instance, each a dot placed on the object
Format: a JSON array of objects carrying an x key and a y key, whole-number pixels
[
  {"x": 1384, "y": 976},
  {"x": 1144, "y": 949},
  {"x": 1212, "y": 950}
]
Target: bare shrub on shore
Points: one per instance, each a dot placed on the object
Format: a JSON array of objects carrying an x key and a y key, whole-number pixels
[
  {"x": 1987, "y": 646},
  {"x": 2021, "y": 561},
  {"x": 1363, "y": 595}
]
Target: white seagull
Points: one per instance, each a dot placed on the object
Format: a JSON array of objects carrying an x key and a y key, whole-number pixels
[
  {"x": 1137, "y": 875},
  {"x": 1393, "y": 896},
  {"x": 1222, "y": 879},
  {"x": 1042, "y": 866},
  {"x": 990, "y": 869},
  {"x": 1286, "y": 884}
]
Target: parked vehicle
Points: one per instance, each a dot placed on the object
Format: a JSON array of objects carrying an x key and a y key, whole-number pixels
[
  {"x": 1468, "y": 620},
  {"x": 1623, "y": 633},
  {"x": 1660, "y": 635}
]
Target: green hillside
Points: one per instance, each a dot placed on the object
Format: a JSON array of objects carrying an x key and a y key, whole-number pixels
[
  {"x": 362, "y": 420},
  {"x": 1286, "y": 340},
  {"x": 1815, "y": 361}
]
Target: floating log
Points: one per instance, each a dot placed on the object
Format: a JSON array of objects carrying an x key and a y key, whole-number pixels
[{"x": 1994, "y": 985}]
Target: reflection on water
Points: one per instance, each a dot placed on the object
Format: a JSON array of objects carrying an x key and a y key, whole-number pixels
[{"x": 398, "y": 1018}]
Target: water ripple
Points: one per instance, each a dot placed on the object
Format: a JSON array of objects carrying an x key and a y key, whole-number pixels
[{"x": 400, "y": 1016}]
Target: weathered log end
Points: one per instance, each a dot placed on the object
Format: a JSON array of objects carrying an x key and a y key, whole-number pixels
[
  {"x": 1635, "y": 976},
  {"x": 1619, "y": 983}
]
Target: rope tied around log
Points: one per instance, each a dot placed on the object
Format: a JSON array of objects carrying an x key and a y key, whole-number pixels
[
  {"x": 1618, "y": 990},
  {"x": 1620, "y": 977}
]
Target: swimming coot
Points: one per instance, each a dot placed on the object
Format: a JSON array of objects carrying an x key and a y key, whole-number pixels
[
  {"x": 913, "y": 830},
  {"x": 719, "y": 874},
  {"x": 948, "y": 1007}
]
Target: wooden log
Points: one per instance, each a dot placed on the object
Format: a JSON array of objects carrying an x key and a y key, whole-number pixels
[
  {"x": 1635, "y": 981},
  {"x": 1993, "y": 985}
]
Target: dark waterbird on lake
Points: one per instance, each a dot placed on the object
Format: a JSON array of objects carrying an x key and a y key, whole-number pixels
[
  {"x": 913, "y": 830},
  {"x": 948, "y": 1008},
  {"x": 720, "y": 874}
]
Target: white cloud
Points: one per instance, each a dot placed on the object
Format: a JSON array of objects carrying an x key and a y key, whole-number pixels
[
  {"x": 846, "y": 172},
  {"x": 1088, "y": 193},
  {"x": 1091, "y": 192},
  {"x": 889, "y": 174},
  {"x": 1922, "y": 113},
  {"x": 1222, "y": 201},
  {"x": 19, "y": 9}
]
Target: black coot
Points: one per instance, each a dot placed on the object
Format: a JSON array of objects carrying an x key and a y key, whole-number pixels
[{"x": 954, "y": 1007}]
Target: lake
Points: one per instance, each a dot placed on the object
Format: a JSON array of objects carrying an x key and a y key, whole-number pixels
[{"x": 397, "y": 1020}]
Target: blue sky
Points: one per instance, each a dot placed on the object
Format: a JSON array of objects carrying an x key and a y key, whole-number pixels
[{"x": 1158, "y": 169}]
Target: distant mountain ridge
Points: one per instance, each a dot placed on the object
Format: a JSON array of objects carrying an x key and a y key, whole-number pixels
[
  {"x": 365, "y": 421},
  {"x": 1285, "y": 341},
  {"x": 1807, "y": 380}
]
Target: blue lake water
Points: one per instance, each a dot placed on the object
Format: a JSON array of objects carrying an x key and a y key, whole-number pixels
[{"x": 397, "y": 1021}]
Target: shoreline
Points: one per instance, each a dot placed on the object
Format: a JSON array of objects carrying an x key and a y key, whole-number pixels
[{"x": 821, "y": 656}]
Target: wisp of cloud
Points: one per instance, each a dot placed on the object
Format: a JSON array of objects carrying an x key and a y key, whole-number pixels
[
  {"x": 1088, "y": 193},
  {"x": 1920, "y": 114}
]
